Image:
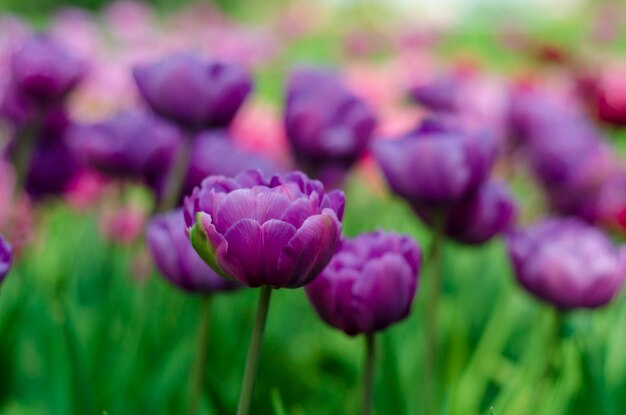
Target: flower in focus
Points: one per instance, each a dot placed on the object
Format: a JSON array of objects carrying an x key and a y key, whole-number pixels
[
  {"x": 280, "y": 232},
  {"x": 369, "y": 284},
  {"x": 192, "y": 92},
  {"x": 437, "y": 164},
  {"x": 6, "y": 257},
  {"x": 328, "y": 127},
  {"x": 44, "y": 70},
  {"x": 171, "y": 250},
  {"x": 130, "y": 145},
  {"x": 567, "y": 263}
]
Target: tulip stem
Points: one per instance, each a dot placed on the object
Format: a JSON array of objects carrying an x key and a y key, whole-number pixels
[
  {"x": 368, "y": 374},
  {"x": 175, "y": 179},
  {"x": 252, "y": 363},
  {"x": 550, "y": 368},
  {"x": 429, "y": 382},
  {"x": 195, "y": 390}
]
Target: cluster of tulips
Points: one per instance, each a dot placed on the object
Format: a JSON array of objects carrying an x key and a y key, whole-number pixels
[{"x": 225, "y": 218}]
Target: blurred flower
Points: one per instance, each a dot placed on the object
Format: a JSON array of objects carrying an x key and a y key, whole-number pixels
[
  {"x": 6, "y": 256},
  {"x": 123, "y": 224},
  {"x": 440, "y": 94},
  {"x": 130, "y": 145},
  {"x": 195, "y": 93},
  {"x": 171, "y": 250},
  {"x": 280, "y": 232},
  {"x": 475, "y": 220},
  {"x": 436, "y": 165},
  {"x": 567, "y": 263},
  {"x": 328, "y": 127},
  {"x": 44, "y": 70},
  {"x": 85, "y": 189},
  {"x": 53, "y": 163},
  {"x": 610, "y": 96},
  {"x": 369, "y": 284},
  {"x": 213, "y": 153}
]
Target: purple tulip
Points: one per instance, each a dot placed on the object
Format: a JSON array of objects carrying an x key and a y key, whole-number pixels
[
  {"x": 327, "y": 126},
  {"x": 475, "y": 220},
  {"x": 192, "y": 92},
  {"x": 177, "y": 260},
  {"x": 436, "y": 166},
  {"x": 567, "y": 263},
  {"x": 278, "y": 232},
  {"x": 6, "y": 258},
  {"x": 44, "y": 70},
  {"x": 130, "y": 145},
  {"x": 52, "y": 167},
  {"x": 369, "y": 284},
  {"x": 213, "y": 153},
  {"x": 442, "y": 94}
]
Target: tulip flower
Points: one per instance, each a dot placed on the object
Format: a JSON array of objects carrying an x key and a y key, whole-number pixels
[
  {"x": 475, "y": 220},
  {"x": 192, "y": 92},
  {"x": 434, "y": 165},
  {"x": 6, "y": 257},
  {"x": 567, "y": 263},
  {"x": 367, "y": 286},
  {"x": 177, "y": 260},
  {"x": 130, "y": 145},
  {"x": 277, "y": 232},
  {"x": 327, "y": 126},
  {"x": 44, "y": 70}
]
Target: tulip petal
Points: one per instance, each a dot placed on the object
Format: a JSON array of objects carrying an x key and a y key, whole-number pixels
[
  {"x": 311, "y": 248},
  {"x": 244, "y": 249},
  {"x": 276, "y": 234}
]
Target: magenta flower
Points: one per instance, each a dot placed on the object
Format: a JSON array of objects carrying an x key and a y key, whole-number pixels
[
  {"x": 436, "y": 165},
  {"x": 44, "y": 70},
  {"x": 486, "y": 213},
  {"x": 369, "y": 284},
  {"x": 278, "y": 232},
  {"x": 192, "y": 92},
  {"x": 177, "y": 260},
  {"x": 328, "y": 127},
  {"x": 567, "y": 263},
  {"x": 6, "y": 258},
  {"x": 130, "y": 145}
]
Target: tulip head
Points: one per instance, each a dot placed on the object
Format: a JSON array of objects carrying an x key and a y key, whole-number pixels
[{"x": 369, "y": 284}]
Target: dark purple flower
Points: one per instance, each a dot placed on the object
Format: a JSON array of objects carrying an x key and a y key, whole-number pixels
[
  {"x": 213, "y": 153},
  {"x": 280, "y": 231},
  {"x": 177, "y": 260},
  {"x": 53, "y": 165},
  {"x": 369, "y": 284},
  {"x": 192, "y": 92},
  {"x": 6, "y": 258},
  {"x": 475, "y": 220},
  {"x": 131, "y": 145},
  {"x": 567, "y": 263},
  {"x": 435, "y": 167},
  {"x": 44, "y": 70},
  {"x": 326, "y": 124},
  {"x": 441, "y": 94}
]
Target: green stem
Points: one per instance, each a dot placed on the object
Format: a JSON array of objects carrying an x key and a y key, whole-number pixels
[
  {"x": 368, "y": 373},
  {"x": 252, "y": 363},
  {"x": 550, "y": 367},
  {"x": 433, "y": 297},
  {"x": 195, "y": 390},
  {"x": 176, "y": 177}
]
